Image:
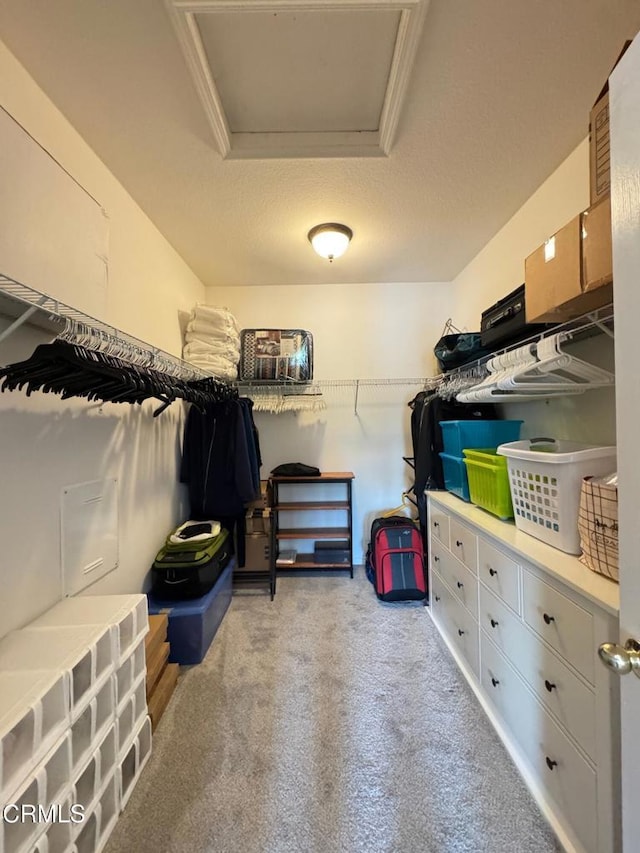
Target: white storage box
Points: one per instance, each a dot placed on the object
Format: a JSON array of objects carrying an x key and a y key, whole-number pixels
[
  {"x": 34, "y": 714},
  {"x": 91, "y": 835},
  {"x": 126, "y": 614},
  {"x": 92, "y": 725},
  {"x": 45, "y": 787},
  {"x": 134, "y": 760},
  {"x": 83, "y": 652},
  {"x": 545, "y": 476},
  {"x": 133, "y": 711},
  {"x": 128, "y": 673}
]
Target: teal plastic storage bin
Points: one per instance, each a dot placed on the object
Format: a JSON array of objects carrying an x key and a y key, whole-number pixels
[
  {"x": 455, "y": 476},
  {"x": 458, "y": 435}
]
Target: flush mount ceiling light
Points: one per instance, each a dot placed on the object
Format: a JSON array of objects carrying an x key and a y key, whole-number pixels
[{"x": 330, "y": 240}]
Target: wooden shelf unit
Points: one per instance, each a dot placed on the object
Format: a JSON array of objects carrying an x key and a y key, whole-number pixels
[{"x": 343, "y": 533}]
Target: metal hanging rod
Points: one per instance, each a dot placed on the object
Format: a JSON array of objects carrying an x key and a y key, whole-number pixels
[
  {"x": 30, "y": 305},
  {"x": 290, "y": 387}
]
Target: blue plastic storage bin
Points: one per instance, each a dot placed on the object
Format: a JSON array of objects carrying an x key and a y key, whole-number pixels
[
  {"x": 193, "y": 623},
  {"x": 455, "y": 476},
  {"x": 458, "y": 435}
]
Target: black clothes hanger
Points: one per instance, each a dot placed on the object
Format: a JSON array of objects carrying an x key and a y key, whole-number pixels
[{"x": 72, "y": 370}]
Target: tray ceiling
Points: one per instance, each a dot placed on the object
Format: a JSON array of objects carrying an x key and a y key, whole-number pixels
[
  {"x": 305, "y": 78},
  {"x": 499, "y": 94}
]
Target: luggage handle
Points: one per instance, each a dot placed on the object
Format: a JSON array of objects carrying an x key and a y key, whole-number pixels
[{"x": 507, "y": 314}]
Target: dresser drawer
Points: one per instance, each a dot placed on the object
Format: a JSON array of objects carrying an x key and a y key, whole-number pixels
[
  {"x": 456, "y": 622},
  {"x": 563, "y": 624},
  {"x": 569, "y": 778},
  {"x": 458, "y": 578},
  {"x": 500, "y": 573},
  {"x": 439, "y": 525},
  {"x": 463, "y": 544},
  {"x": 556, "y": 686}
]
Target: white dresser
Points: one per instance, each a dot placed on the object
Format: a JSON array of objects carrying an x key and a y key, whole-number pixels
[{"x": 524, "y": 621}]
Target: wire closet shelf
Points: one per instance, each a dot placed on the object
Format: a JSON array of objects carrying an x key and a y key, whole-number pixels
[
  {"x": 460, "y": 380},
  {"x": 27, "y": 304}
]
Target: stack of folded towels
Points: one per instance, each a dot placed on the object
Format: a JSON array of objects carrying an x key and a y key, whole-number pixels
[{"x": 213, "y": 342}]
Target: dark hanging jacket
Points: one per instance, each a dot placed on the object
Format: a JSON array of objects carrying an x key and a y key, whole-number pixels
[{"x": 217, "y": 467}]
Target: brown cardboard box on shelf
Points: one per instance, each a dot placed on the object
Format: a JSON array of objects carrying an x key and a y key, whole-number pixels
[
  {"x": 597, "y": 261},
  {"x": 257, "y": 549},
  {"x": 571, "y": 273},
  {"x": 599, "y": 159},
  {"x": 257, "y": 521},
  {"x": 552, "y": 275}
]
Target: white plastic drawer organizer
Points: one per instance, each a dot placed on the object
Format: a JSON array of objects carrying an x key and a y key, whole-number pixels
[
  {"x": 83, "y": 653},
  {"x": 545, "y": 477},
  {"x": 34, "y": 714},
  {"x": 125, "y": 614},
  {"x": 73, "y": 720}
]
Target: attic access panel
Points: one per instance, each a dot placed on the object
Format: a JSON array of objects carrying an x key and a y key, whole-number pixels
[{"x": 312, "y": 78}]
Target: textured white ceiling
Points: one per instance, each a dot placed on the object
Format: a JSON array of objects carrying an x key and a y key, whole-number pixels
[
  {"x": 499, "y": 96},
  {"x": 300, "y": 71}
]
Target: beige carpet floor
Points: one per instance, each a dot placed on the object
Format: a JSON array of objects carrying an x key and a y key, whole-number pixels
[{"x": 327, "y": 722}]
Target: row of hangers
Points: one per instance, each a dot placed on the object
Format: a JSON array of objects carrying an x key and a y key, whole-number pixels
[
  {"x": 539, "y": 369},
  {"x": 90, "y": 363}
]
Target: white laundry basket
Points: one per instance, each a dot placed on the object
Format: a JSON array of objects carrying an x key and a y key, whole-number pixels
[{"x": 545, "y": 476}]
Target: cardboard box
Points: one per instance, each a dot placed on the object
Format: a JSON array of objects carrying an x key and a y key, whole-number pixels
[
  {"x": 571, "y": 273},
  {"x": 258, "y": 521},
  {"x": 552, "y": 275},
  {"x": 599, "y": 158},
  {"x": 257, "y": 553},
  {"x": 597, "y": 260}
]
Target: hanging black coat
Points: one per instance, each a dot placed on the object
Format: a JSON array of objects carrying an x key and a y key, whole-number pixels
[{"x": 216, "y": 465}]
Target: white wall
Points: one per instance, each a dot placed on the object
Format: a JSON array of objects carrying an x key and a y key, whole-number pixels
[
  {"x": 499, "y": 268},
  {"x": 46, "y": 443},
  {"x": 360, "y": 332}
]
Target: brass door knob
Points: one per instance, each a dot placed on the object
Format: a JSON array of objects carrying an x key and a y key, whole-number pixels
[{"x": 621, "y": 659}]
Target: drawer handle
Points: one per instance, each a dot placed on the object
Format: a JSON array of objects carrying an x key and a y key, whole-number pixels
[
  {"x": 492, "y": 572},
  {"x": 494, "y": 623},
  {"x": 551, "y": 763},
  {"x": 436, "y": 559},
  {"x": 460, "y": 632},
  {"x": 458, "y": 543},
  {"x": 495, "y": 681},
  {"x": 549, "y": 685},
  {"x": 437, "y": 597},
  {"x": 548, "y": 619},
  {"x": 436, "y": 524},
  {"x": 459, "y": 584}
]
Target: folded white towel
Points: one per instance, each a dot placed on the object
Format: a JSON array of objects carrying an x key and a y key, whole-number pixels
[
  {"x": 214, "y": 319},
  {"x": 209, "y": 330},
  {"x": 222, "y": 368},
  {"x": 197, "y": 347},
  {"x": 213, "y": 314}
]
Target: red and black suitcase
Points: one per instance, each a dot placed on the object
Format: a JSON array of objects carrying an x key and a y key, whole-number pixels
[{"x": 396, "y": 560}]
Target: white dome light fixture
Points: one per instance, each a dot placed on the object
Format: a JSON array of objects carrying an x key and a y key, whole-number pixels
[{"x": 330, "y": 240}]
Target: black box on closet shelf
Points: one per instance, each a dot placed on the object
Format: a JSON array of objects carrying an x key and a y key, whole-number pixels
[
  {"x": 505, "y": 322},
  {"x": 330, "y": 551}
]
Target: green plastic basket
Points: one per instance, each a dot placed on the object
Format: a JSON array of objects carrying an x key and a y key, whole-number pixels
[{"x": 489, "y": 481}]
